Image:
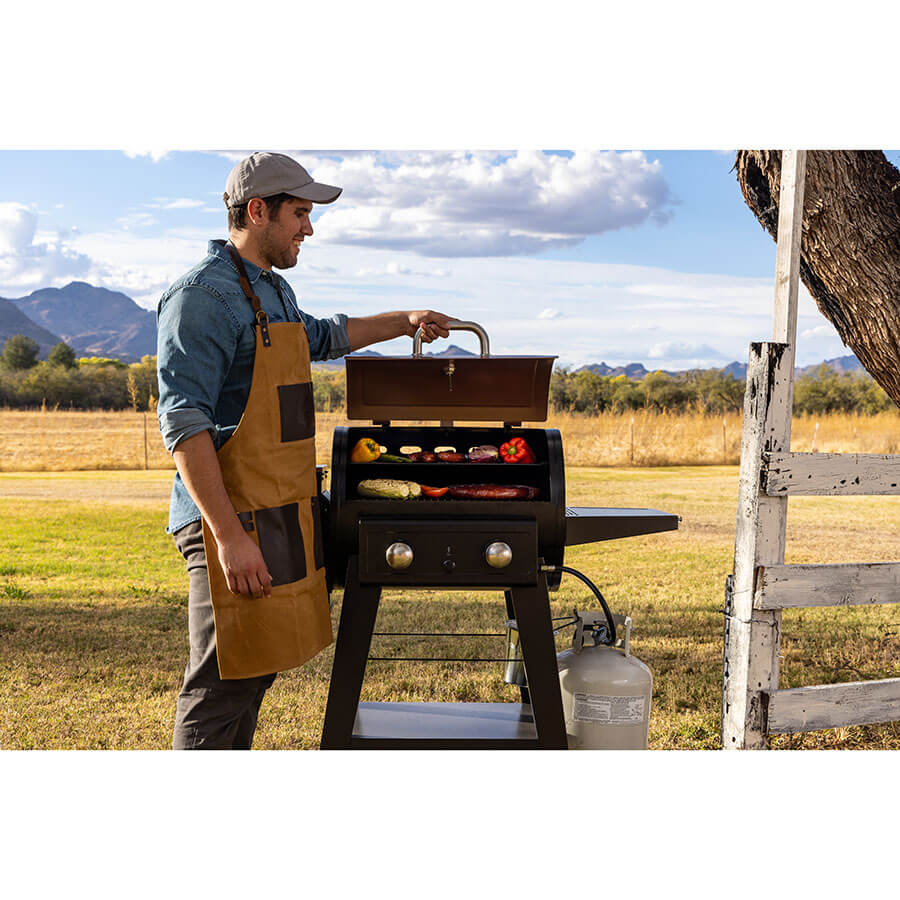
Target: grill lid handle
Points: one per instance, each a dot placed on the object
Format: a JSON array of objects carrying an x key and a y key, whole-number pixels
[{"x": 456, "y": 325}]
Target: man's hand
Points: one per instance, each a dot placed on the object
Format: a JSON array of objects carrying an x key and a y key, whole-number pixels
[
  {"x": 384, "y": 326},
  {"x": 240, "y": 557},
  {"x": 244, "y": 566},
  {"x": 433, "y": 324}
]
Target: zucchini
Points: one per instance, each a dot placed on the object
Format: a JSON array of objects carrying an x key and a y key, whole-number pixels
[{"x": 389, "y": 457}]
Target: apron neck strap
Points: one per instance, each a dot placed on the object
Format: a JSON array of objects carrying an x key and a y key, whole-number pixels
[{"x": 261, "y": 318}]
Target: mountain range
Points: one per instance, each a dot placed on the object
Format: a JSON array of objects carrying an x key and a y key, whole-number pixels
[{"x": 95, "y": 321}]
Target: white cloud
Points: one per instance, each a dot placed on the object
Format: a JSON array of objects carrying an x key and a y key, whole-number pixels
[
  {"x": 824, "y": 330},
  {"x": 155, "y": 155},
  {"x": 17, "y": 227},
  {"x": 395, "y": 268},
  {"x": 136, "y": 220},
  {"x": 180, "y": 203},
  {"x": 29, "y": 260},
  {"x": 682, "y": 350},
  {"x": 549, "y": 314},
  {"x": 391, "y": 268},
  {"x": 323, "y": 270},
  {"x": 487, "y": 204}
]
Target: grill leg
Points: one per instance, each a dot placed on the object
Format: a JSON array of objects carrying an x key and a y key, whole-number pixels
[
  {"x": 532, "y": 614},
  {"x": 511, "y": 614},
  {"x": 359, "y": 609}
]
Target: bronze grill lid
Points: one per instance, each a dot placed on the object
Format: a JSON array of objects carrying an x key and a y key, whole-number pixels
[{"x": 483, "y": 388}]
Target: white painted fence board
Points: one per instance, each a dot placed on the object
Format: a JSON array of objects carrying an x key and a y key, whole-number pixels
[
  {"x": 830, "y": 474},
  {"x": 787, "y": 252},
  {"x": 834, "y": 706},
  {"x": 751, "y": 662},
  {"x": 847, "y": 584}
]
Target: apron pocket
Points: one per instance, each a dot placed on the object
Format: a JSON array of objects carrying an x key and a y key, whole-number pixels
[
  {"x": 281, "y": 543},
  {"x": 298, "y": 411},
  {"x": 318, "y": 546}
]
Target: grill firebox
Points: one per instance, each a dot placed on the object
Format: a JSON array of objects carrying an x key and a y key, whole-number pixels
[{"x": 444, "y": 529}]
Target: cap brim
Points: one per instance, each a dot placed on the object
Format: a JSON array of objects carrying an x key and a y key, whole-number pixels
[{"x": 318, "y": 193}]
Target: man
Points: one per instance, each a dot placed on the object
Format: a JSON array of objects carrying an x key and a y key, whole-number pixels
[{"x": 235, "y": 410}]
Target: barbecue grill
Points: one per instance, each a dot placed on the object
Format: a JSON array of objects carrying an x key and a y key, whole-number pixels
[{"x": 513, "y": 545}]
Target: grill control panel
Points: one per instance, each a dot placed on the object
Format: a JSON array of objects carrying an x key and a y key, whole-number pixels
[{"x": 448, "y": 552}]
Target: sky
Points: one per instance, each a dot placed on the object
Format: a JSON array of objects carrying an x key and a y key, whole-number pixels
[{"x": 594, "y": 255}]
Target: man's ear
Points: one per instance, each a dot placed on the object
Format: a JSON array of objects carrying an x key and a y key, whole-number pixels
[{"x": 257, "y": 211}]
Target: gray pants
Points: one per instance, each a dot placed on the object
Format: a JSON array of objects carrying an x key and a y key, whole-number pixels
[{"x": 211, "y": 714}]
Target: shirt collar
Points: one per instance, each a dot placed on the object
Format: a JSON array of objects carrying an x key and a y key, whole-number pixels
[{"x": 217, "y": 248}]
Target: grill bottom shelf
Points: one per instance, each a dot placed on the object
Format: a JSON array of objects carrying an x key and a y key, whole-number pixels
[{"x": 444, "y": 726}]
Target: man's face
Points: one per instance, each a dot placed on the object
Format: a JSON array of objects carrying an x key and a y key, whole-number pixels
[{"x": 282, "y": 235}]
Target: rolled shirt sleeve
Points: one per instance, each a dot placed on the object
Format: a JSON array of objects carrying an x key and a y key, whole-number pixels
[
  {"x": 340, "y": 337},
  {"x": 196, "y": 342},
  {"x": 328, "y": 338}
]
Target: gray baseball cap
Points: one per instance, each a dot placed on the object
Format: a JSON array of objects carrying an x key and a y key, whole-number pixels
[{"x": 267, "y": 174}]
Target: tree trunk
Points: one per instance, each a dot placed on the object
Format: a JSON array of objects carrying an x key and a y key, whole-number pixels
[{"x": 850, "y": 248}]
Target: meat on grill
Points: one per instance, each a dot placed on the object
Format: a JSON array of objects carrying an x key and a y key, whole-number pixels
[
  {"x": 493, "y": 492},
  {"x": 426, "y": 456},
  {"x": 423, "y": 456}
]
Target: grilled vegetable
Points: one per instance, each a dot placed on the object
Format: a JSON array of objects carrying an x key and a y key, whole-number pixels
[
  {"x": 433, "y": 492},
  {"x": 366, "y": 450},
  {"x": 389, "y": 489},
  {"x": 516, "y": 451},
  {"x": 390, "y": 458},
  {"x": 485, "y": 453}
]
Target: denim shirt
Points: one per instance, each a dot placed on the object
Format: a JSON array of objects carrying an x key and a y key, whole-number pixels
[{"x": 206, "y": 344}]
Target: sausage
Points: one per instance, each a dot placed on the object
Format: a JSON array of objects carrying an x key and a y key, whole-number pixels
[
  {"x": 423, "y": 456},
  {"x": 492, "y": 492},
  {"x": 450, "y": 456}
]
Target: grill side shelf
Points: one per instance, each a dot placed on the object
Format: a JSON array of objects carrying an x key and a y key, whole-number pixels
[{"x": 587, "y": 524}]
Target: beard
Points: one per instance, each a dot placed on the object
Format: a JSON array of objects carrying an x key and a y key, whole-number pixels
[{"x": 275, "y": 252}]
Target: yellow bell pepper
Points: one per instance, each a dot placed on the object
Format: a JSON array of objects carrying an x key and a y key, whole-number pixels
[{"x": 366, "y": 450}]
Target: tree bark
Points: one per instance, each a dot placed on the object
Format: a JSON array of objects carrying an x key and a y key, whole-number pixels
[{"x": 850, "y": 247}]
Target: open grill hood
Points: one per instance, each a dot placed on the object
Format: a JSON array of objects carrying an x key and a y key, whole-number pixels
[{"x": 450, "y": 388}]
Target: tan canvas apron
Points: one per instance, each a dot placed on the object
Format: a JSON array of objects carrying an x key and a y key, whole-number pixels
[{"x": 269, "y": 469}]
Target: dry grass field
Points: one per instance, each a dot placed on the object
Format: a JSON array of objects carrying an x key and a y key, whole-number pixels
[
  {"x": 61, "y": 441},
  {"x": 93, "y": 618}
]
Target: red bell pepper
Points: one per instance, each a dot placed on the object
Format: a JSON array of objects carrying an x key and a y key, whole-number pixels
[
  {"x": 516, "y": 451},
  {"x": 433, "y": 491}
]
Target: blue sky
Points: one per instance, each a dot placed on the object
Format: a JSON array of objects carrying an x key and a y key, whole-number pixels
[{"x": 620, "y": 256}]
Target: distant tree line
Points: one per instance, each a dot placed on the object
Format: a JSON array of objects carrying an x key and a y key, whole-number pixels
[
  {"x": 709, "y": 391},
  {"x": 62, "y": 381},
  {"x": 65, "y": 382}
]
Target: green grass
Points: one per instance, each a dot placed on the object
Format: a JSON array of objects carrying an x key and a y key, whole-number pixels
[{"x": 93, "y": 613}]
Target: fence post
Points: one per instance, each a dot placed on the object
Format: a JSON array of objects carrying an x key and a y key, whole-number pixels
[{"x": 753, "y": 637}]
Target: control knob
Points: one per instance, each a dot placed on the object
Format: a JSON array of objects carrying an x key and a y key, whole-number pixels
[
  {"x": 399, "y": 556},
  {"x": 498, "y": 555}
]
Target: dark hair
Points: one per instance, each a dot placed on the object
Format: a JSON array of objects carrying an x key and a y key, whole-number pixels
[{"x": 237, "y": 215}]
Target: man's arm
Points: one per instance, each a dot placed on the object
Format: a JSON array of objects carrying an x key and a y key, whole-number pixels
[
  {"x": 384, "y": 326},
  {"x": 240, "y": 557}
]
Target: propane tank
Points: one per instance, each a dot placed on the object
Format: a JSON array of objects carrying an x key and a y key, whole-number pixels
[{"x": 606, "y": 692}]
